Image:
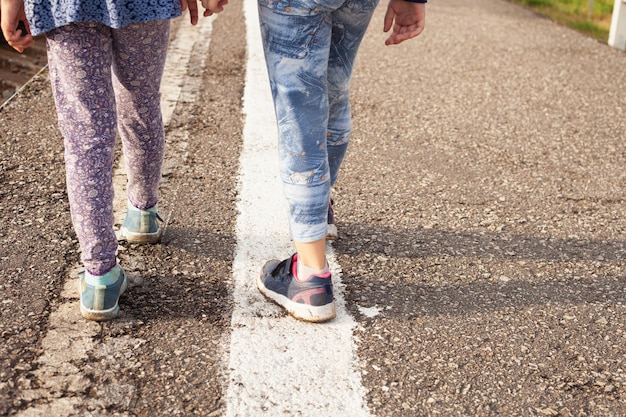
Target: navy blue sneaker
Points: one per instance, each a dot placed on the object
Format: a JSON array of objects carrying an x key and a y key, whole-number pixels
[
  {"x": 100, "y": 302},
  {"x": 311, "y": 300},
  {"x": 331, "y": 231}
]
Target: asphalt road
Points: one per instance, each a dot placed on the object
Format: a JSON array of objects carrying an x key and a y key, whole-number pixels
[
  {"x": 482, "y": 221},
  {"x": 17, "y": 69}
]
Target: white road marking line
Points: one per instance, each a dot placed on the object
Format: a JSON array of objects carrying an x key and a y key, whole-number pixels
[
  {"x": 278, "y": 365},
  {"x": 70, "y": 338},
  {"x": 175, "y": 85}
]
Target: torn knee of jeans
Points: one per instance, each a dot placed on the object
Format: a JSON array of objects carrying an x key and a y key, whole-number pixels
[
  {"x": 308, "y": 177},
  {"x": 338, "y": 140}
]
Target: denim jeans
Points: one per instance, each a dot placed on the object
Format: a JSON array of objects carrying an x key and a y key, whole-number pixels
[{"x": 310, "y": 47}]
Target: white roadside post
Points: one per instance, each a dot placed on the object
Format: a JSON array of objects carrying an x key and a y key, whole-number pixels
[{"x": 617, "y": 34}]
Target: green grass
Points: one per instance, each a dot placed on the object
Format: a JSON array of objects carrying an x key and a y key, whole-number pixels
[{"x": 576, "y": 14}]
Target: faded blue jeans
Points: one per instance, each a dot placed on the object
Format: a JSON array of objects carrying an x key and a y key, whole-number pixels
[{"x": 310, "y": 47}]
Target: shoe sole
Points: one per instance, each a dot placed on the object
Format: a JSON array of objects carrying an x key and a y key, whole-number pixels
[
  {"x": 308, "y": 313},
  {"x": 102, "y": 315},
  {"x": 331, "y": 232},
  {"x": 131, "y": 237}
]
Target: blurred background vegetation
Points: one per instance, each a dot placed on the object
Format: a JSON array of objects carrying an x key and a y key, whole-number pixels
[{"x": 592, "y": 17}]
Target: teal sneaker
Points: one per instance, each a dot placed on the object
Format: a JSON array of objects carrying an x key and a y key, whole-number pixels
[
  {"x": 99, "y": 295},
  {"x": 141, "y": 226}
]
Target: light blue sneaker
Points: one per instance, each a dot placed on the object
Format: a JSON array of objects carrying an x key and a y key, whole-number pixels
[
  {"x": 99, "y": 295},
  {"x": 141, "y": 226}
]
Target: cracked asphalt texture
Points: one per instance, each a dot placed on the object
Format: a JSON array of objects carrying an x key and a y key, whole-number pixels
[{"x": 481, "y": 211}]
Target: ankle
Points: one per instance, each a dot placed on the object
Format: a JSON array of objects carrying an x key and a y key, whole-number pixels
[
  {"x": 132, "y": 207},
  {"x": 108, "y": 278},
  {"x": 303, "y": 272}
]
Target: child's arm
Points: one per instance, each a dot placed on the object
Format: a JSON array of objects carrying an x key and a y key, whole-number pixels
[{"x": 15, "y": 27}]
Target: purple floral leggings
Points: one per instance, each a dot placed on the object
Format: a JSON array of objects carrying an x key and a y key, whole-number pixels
[{"x": 105, "y": 80}]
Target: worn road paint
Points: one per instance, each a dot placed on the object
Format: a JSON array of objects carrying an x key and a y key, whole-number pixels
[{"x": 279, "y": 365}]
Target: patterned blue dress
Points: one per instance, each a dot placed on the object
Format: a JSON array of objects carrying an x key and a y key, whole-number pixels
[{"x": 45, "y": 15}]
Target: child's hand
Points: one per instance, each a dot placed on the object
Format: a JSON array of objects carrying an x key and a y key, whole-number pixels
[
  {"x": 192, "y": 5},
  {"x": 15, "y": 27},
  {"x": 406, "y": 18},
  {"x": 213, "y": 6}
]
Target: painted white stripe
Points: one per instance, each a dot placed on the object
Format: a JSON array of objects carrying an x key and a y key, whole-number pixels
[
  {"x": 278, "y": 365},
  {"x": 176, "y": 85}
]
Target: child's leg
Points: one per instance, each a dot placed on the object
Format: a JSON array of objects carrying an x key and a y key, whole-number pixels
[
  {"x": 349, "y": 25},
  {"x": 296, "y": 50},
  {"x": 139, "y": 52},
  {"x": 79, "y": 57}
]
